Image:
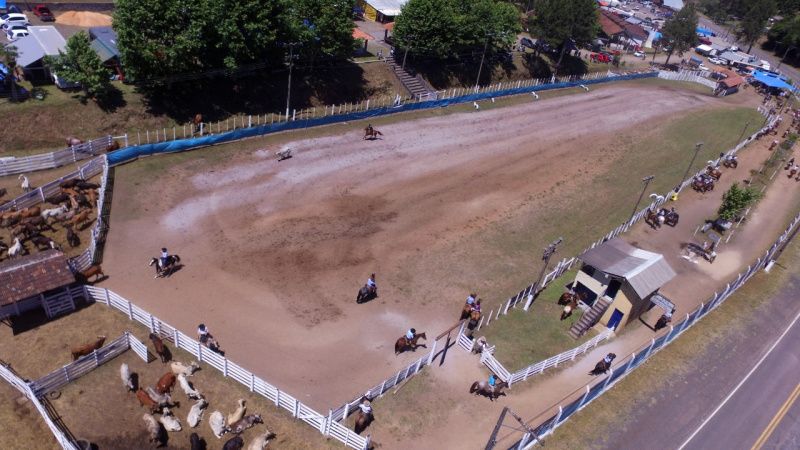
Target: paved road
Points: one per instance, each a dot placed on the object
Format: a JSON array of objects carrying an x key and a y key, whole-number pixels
[
  {"x": 773, "y": 60},
  {"x": 674, "y": 411}
]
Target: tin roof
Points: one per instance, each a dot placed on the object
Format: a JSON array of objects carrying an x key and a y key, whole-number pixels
[
  {"x": 27, "y": 276},
  {"x": 645, "y": 271},
  {"x": 42, "y": 41}
]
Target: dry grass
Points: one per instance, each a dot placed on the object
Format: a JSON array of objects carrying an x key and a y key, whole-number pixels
[
  {"x": 99, "y": 397},
  {"x": 23, "y": 428}
]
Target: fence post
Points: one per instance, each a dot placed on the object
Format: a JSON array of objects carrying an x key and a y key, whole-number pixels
[
  {"x": 199, "y": 352},
  {"x": 296, "y": 408},
  {"x": 130, "y": 311},
  {"x": 252, "y": 382},
  {"x": 277, "y": 397},
  {"x": 583, "y": 399},
  {"x": 558, "y": 416},
  {"x": 669, "y": 335},
  {"x": 225, "y": 367},
  {"x": 608, "y": 378},
  {"x": 633, "y": 358},
  {"x": 649, "y": 349}
]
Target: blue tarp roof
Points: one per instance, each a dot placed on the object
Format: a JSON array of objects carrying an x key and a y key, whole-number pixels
[
  {"x": 2, "y": 3},
  {"x": 703, "y": 31},
  {"x": 773, "y": 80}
]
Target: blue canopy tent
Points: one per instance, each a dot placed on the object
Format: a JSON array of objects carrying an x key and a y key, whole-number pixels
[
  {"x": 2, "y": 4},
  {"x": 704, "y": 31},
  {"x": 773, "y": 80}
]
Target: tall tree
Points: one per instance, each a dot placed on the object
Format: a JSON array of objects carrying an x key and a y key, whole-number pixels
[
  {"x": 427, "y": 27},
  {"x": 487, "y": 23},
  {"x": 680, "y": 31},
  {"x": 754, "y": 22},
  {"x": 323, "y": 27},
  {"x": 80, "y": 64},
  {"x": 559, "y": 21},
  {"x": 9, "y": 57}
]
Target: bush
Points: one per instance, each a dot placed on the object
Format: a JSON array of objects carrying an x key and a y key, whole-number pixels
[{"x": 736, "y": 200}]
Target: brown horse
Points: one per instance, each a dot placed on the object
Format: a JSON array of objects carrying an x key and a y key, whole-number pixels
[
  {"x": 362, "y": 421},
  {"x": 465, "y": 311},
  {"x": 403, "y": 343},
  {"x": 94, "y": 271},
  {"x": 160, "y": 348},
  {"x": 603, "y": 365},
  {"x": 165, "y": 383},
  {"x": 483, "y": 388},
  {"x": 569, "y": 308},
  {"x": 371, "y": 133},
  {"x": 86, "y": 349},
  {"x": 714, "y": 172},
  {"x": 566, "y": 298}
]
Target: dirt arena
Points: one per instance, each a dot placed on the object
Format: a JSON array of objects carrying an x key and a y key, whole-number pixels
[{"x": 275, "y": 252}]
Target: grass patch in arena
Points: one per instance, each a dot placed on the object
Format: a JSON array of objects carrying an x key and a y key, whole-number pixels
[
  {"x": 581, "y": 219},
  {"x": 669, "y": 365},
  {"x": 23, "y": 427}
]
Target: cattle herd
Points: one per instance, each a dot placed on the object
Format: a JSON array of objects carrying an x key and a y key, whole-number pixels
[
  {"x": 160, "y": 419},
  {"x": 71, "y": 210}
]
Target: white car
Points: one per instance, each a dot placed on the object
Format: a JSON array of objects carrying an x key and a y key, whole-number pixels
[
  {"x": 8, "y": 20},
  {"x": 16, "y": 32},
  {"x": 639, "y": 54},
  {"x": 765, "y": 65},
  {"x": 718, "y": 61}
]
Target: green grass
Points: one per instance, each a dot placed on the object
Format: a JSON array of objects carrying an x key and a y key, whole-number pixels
[
  {"x": 525, "y": 338},
  {"x": 614, "y": 409}
]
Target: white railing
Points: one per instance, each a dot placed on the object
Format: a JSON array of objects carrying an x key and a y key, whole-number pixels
[
  {"x": 324, "y": 424},
  {"x": 75, "y": 153},
  {"x": 82, "y": 366},
  {"x": 687, "y": 76},
  {"x": 60, "y": 433}
]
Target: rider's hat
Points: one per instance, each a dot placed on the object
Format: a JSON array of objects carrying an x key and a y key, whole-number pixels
[
  {"x": 413, "y": 330},
  {"x": 163, "y": 249},
  {"x": 202, "y": 326}
]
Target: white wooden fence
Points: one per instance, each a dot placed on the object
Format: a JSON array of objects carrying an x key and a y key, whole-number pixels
[
  {"x": 93, "y": 253},
  {"x": 687, "y": 76},
  {"x": 534, "y": 369},
  {"x": 61, "y": 434},
  {"x": 75, "y": 153},
  {"x": 85, "y": 364},
  {"x": 324, "y": 424}
]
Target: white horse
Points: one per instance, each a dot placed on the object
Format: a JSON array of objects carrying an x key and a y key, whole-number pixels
[
  {"x": 16, "y": 249},
  {"x": 53, "y": 212},
  {"x": 26, "y": 184}
]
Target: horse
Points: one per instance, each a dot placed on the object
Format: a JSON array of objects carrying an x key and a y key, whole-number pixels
[
  {"x": 465, "y": 312},
  {"x": 94, "y": 271},
  {"x": 366, "y": 294},
  {"x": 474, "y": 317},
  {"x": 714, "y": 172},
  {"x": 671, "y": 217},
  {"x": 654, "y": 219},
  {"x": 43, "y": 243},
  {"x": 483, "y": 388},
  {"x": 662, "y": 322},
  {"x": 172, "y": 262},
  {"x": 363, "y": 421},
  {"x": 730, "y": 162},
  {"x": 165, "y": 383},
  {"x": 566, "y": 298},
  {"x": 602, "y": 366},
  {"x": 160, "y": 348},
  {"x": 371, "y": 133},
  {"x": 403, "y": 343},
  {"x": 569, "y": 308},
  {"x": 72, "y": 237},
  {"x": 26, "y": 184},
  {"x": 71, "y": 140},
  {"x": 86, "y": 349}
]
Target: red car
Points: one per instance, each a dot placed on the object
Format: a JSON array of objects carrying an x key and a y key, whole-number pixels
[{"x": 43, "y": 13}]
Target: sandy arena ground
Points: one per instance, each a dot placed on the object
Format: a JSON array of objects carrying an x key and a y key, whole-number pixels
[{"x": 275, "y": 252}]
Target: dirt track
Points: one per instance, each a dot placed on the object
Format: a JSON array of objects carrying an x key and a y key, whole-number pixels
[{"x": 275, "y": 252}]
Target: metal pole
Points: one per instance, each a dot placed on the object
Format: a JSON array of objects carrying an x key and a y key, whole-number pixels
[
  {"x": 548, "y": 252},
  {"x": 744, "y": 130},
  {"x": 646, "y": 181},
  {"x": 480, "y": 67},
  {"x": 785, "y": 54},
  {"x": 289, "y": 87},
  {"x": 697, "y": 148}
]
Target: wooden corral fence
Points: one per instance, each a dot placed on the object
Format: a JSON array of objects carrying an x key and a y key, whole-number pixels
[
  {"x": 488, "y": 359},
  {"x": 281, "y": 399},
  {"x": 60, "y": 432},
  {"x": 85, "y": 364},
  {"x": 73, "y": 154},
  {"x": 38, "y": 195}
]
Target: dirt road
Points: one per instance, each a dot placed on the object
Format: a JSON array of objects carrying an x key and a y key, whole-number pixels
[{"x": 275, "y": 252}]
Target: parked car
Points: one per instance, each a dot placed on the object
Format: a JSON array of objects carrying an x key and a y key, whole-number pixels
[
  {"x": 639, "y": 54},
  {"x": 704, "y": 40},
  {"x": 43, "y": 13},
  {"x": 16, "y": 31},
  {"x": 6, "y": 20},
  {"x": 527, "y": 42}
]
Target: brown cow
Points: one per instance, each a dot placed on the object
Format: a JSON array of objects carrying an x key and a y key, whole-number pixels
[
  {"x": 80, "y": 218},
  {"x": 86, "y": 349},
  {"x": 93, "y": 271},
  {"x": 165, "y": 383},
  {"x": 145, "y": 400}
]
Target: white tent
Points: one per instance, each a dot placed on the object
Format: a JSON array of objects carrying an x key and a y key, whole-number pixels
[{"x": 674, "y": 4}]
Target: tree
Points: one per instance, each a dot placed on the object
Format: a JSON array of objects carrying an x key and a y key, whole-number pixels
[
  {"x": 560, "y": 22},
  {"x": 736, "y": 200},
  {"x": 324, "y": 27},
  {"x": 785, "y": 34},
  {"x": 488, "y": 23},
  {"x": 754, "y": 22},
  {"x": 680, "y": 31},
  {"x": 9, "y": 57},
  {"x": 80, "y": 64}
]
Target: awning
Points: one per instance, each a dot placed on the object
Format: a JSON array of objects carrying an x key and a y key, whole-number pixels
[
  {"x": 388, "y": 8},
  {"x": 358, "y": 34},
  {"x": 772, "y": 80}
]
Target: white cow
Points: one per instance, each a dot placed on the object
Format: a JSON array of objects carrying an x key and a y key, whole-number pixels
[
  {"x": 170, "y": 422},
  {"x": 196, "y": 413}
]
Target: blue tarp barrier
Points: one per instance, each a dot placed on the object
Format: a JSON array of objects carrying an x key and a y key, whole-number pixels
[
  {"x": 773, "y": 80},
  {"x": 704, "y": 31},
  {"x": 130, "y": 153}
]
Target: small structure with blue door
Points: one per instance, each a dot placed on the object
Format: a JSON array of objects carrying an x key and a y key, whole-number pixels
[{"x": 617, "y": 282}]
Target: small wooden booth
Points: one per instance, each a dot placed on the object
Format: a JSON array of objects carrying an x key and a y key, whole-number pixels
[{"x": 41, "y": 280}]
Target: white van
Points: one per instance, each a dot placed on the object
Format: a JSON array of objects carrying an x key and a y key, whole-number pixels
[{"x": 7, "y": 20}]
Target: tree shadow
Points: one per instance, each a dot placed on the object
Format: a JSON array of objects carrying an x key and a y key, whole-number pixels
[{"x": 537, "y": 66}]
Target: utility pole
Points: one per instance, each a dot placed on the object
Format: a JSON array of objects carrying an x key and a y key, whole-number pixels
[
  {"x": 697, "y": 148},
  {"x": 289, "y": 87},
  {"x": 548, "y": 252},
  {"x": 785, "y": 54},
  {"x": 744, "y": 130},
  {"x": 646, "y": 181},
  {"x": 480, "y": 67}
]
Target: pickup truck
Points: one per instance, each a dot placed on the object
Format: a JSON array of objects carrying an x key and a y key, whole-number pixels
[{"x": 43, "y": 13}]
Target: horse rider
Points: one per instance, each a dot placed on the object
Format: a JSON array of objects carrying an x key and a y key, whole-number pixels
[
  {"x": 492, "y": 382},
  {"x": 164, "y": 258},
  {"x": 471, "y": 299},
  {"x": 371, "y": 284},
  {"x": 203, "y": 333},
  {"x": 366, "y": 408},
  {"x": 607, "y": 360},
  {"x": 477, "y": 305},
  {"x": 411, "y": 334},
  {"x": 369, "y": 129}
]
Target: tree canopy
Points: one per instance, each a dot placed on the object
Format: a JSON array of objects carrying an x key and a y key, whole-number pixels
[
  {"x": 80, "y": 64},
  {"x": 164, "y": 38},
  {"x": 556, "y": 21},
  {"x": 450, "y": 28},
  {"x": 8, "y": 55},
  {"x": 736, "y": 199},
  {"x": 680, "y": 31},
  {"x": 785, "y": 34},
  {"x": 754, "y": 22}
]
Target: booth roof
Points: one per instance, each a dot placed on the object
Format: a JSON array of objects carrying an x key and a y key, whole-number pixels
[{"x": 645, "y": 271}]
